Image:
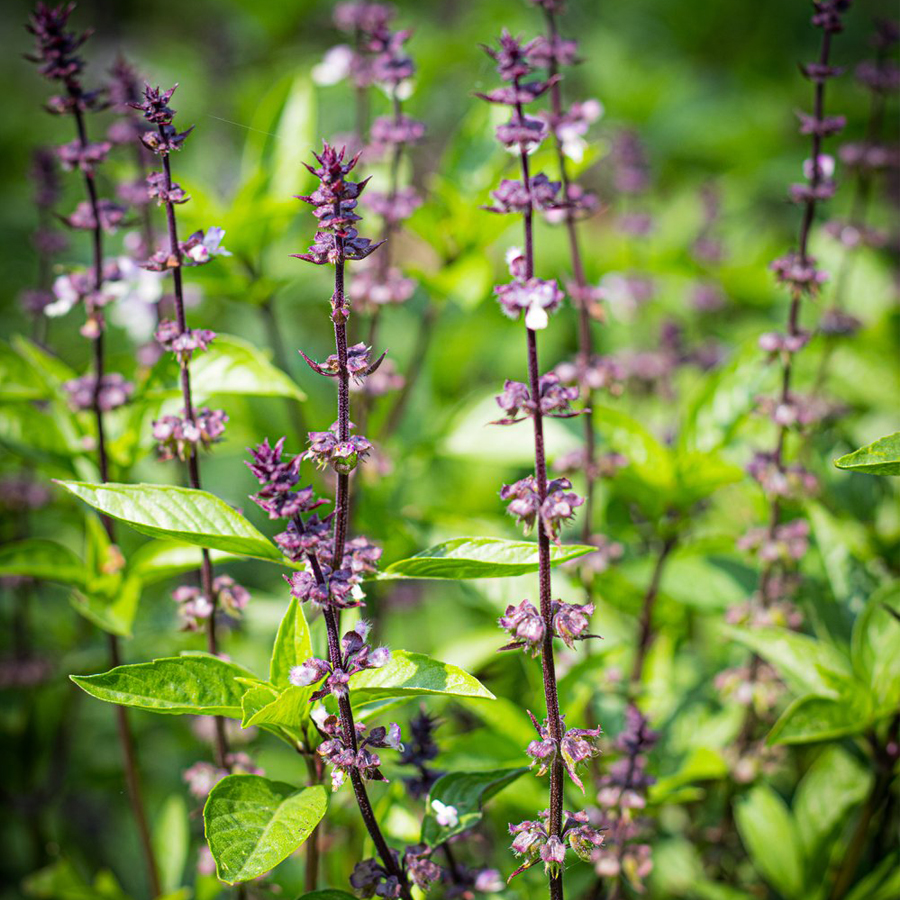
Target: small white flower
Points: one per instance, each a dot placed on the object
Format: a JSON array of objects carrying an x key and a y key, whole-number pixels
[
  {"x": 362, "y": 628},
  {"x": 66, "y": 297},
  {"x": 335, "y": 66},
  {"x": 304, "y": 675},
  {"x": 826, "y": 167},
  {"x": 536, "y": 317},
  {"x": 319, "y": 715},
  {"x": 379, "y": 657},
  {"x": 392, "y": 738},
  {"x": 446, "y": 816}
]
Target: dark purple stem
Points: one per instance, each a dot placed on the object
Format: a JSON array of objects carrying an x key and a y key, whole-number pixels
[
  {"x": 646, "y": 631},
  {"x": 193, "y": 460},
  {"x": 548, "y": 664}
]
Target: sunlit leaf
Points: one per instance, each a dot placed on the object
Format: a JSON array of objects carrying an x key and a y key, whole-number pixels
[
  {"x": 252, "y": 824},
  {"x": 881, "y": 457}
]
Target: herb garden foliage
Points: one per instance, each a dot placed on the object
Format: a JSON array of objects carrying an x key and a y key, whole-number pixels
[{"x": 682, "y": 680}]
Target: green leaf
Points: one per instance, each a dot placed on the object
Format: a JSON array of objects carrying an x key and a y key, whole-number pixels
[
  {"x": 111, "y": 606},
  {"x": 873, "y": 645},
  {"x": 810, "y": 719},
  {"x": 172, "y": 841},
  {"x": 701, "y": 765},
  {"x": 807, "y": 665},
  {"x": 193, "y": 685},
  {"x": 292, "y": 644},
  {"x": 770, "y": 836},
  {"x": 62, "y": 881},
  {"x": 472, "y": 557},
  {"x": 410, "y": 674},
  {"x": 252, "y": 824},
  {"x": 881, "y": 457},
  {"x": 18, "y": 380},
  {"x": 46, "y": 560},
  {"x": 828, "y": 791},
  {"x": 289, "y": 707},
  {"x": 256, "y": 697},
  {"x": 162, "y": 510},
  {"x": 158, "y": 560},
  {"x": 230, "y": 366},
  {"x": 466, "y": 792}
]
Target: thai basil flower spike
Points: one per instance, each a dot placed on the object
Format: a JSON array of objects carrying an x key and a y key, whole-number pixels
[
  {"x": 533, "y": 500},
  {"x": 622, "y": 795},
  {"x": 867, "y": 160},
  {"x": 780, "y": 545},
  {"x": 568, "y": 127},
  {"x": 183, "y": 436},
  {"x": 336, "y": 564},
  {"x": 56, "y": 54},
  {"x": 363, "y": 22}
]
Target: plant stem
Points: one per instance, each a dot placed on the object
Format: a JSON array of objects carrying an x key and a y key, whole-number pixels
[
  {"x": 646, "y": 630},
  {"x": 585, "y": 339},
  {"x": 123, "y": 723},
  {"x": 348, "y": 729},
  {"x": 548, "y": 665},
  {"x": 193, "y": 460}
]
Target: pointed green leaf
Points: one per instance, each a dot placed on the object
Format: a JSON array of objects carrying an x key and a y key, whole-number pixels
[
  {"x": 162, "y": 510},
  {"x": 881, "y": 457},
  {"x": 230, "y": 366},
  {"x": 46, "y": 560},
  {"x": 811, "y": 719},
  {"x": 473, "y": 557},
  {"x": 292, "y": 644},
  {"x": 252, "y": 824},
  {"x": 112, "y": 606},
  {"x": 807, "y": 665},
  {"x": 770, "y": 835},
  {"x": 193, "y": 685},
  {"x": 409, "y": 674},
  {"x": 172, "y": 841},
  {"x": 159, "y": 560},
  {"x": 290, "y": 707},
  {"x": 256, "y": 697},
  {"x": 466, "y": 792}
]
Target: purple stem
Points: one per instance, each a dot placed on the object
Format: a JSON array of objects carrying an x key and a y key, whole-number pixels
[
  {"x": 548, "y": 665},
  {"x": 193, "y": 460}
]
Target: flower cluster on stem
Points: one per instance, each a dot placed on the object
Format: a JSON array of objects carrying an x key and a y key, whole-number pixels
[
  {"x": 534, "y": 500},
  {"x": 336, "y": 564},
  {"x": 183, "y": 436},
  {"x": 779, "y": 545}
]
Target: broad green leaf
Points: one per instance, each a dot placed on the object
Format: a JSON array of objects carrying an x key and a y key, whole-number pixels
[
  {"x": 807, "y": 665},
  {"x": 701, "y": 765},
  {"x": 162, "y": 510},
  {"x": 252, "y": 824},
  {"x": 466, "y": 792},
  {"x": 46, "y": 433},
  {"x": 410, "y": 674},
  {"x": 831, "y": 787},
  {"x": 51, "y": 369},
  {"x": 842, "y": 546},
  {"x": 292, "y": 644},
  {"x": 472, "y": 557},
  {"x": 256, "y": 697},
  {"x": 62, "y": 881},
  {"x": 881, "y": 457},
  {"x": 290, "y": 707},
  {"x": 18, "y": 380},
  {"x": 111, "y": 605},
  {"x": 295, "y": 132},
  {"x": 810, "y": 719},
  {"x": 46, "y": 560},
  {"x": 770, "y": 835},
  {"x": 874, "y": 643},
  {"x": 650, "y": 460},
  {"x": 158, "y": 560},
  {"x": 230, "y": 366},
  {"x": 172, "y": 841},
  {"x": 699, "y": 475},
  {"x": 179, "y": 685}
]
